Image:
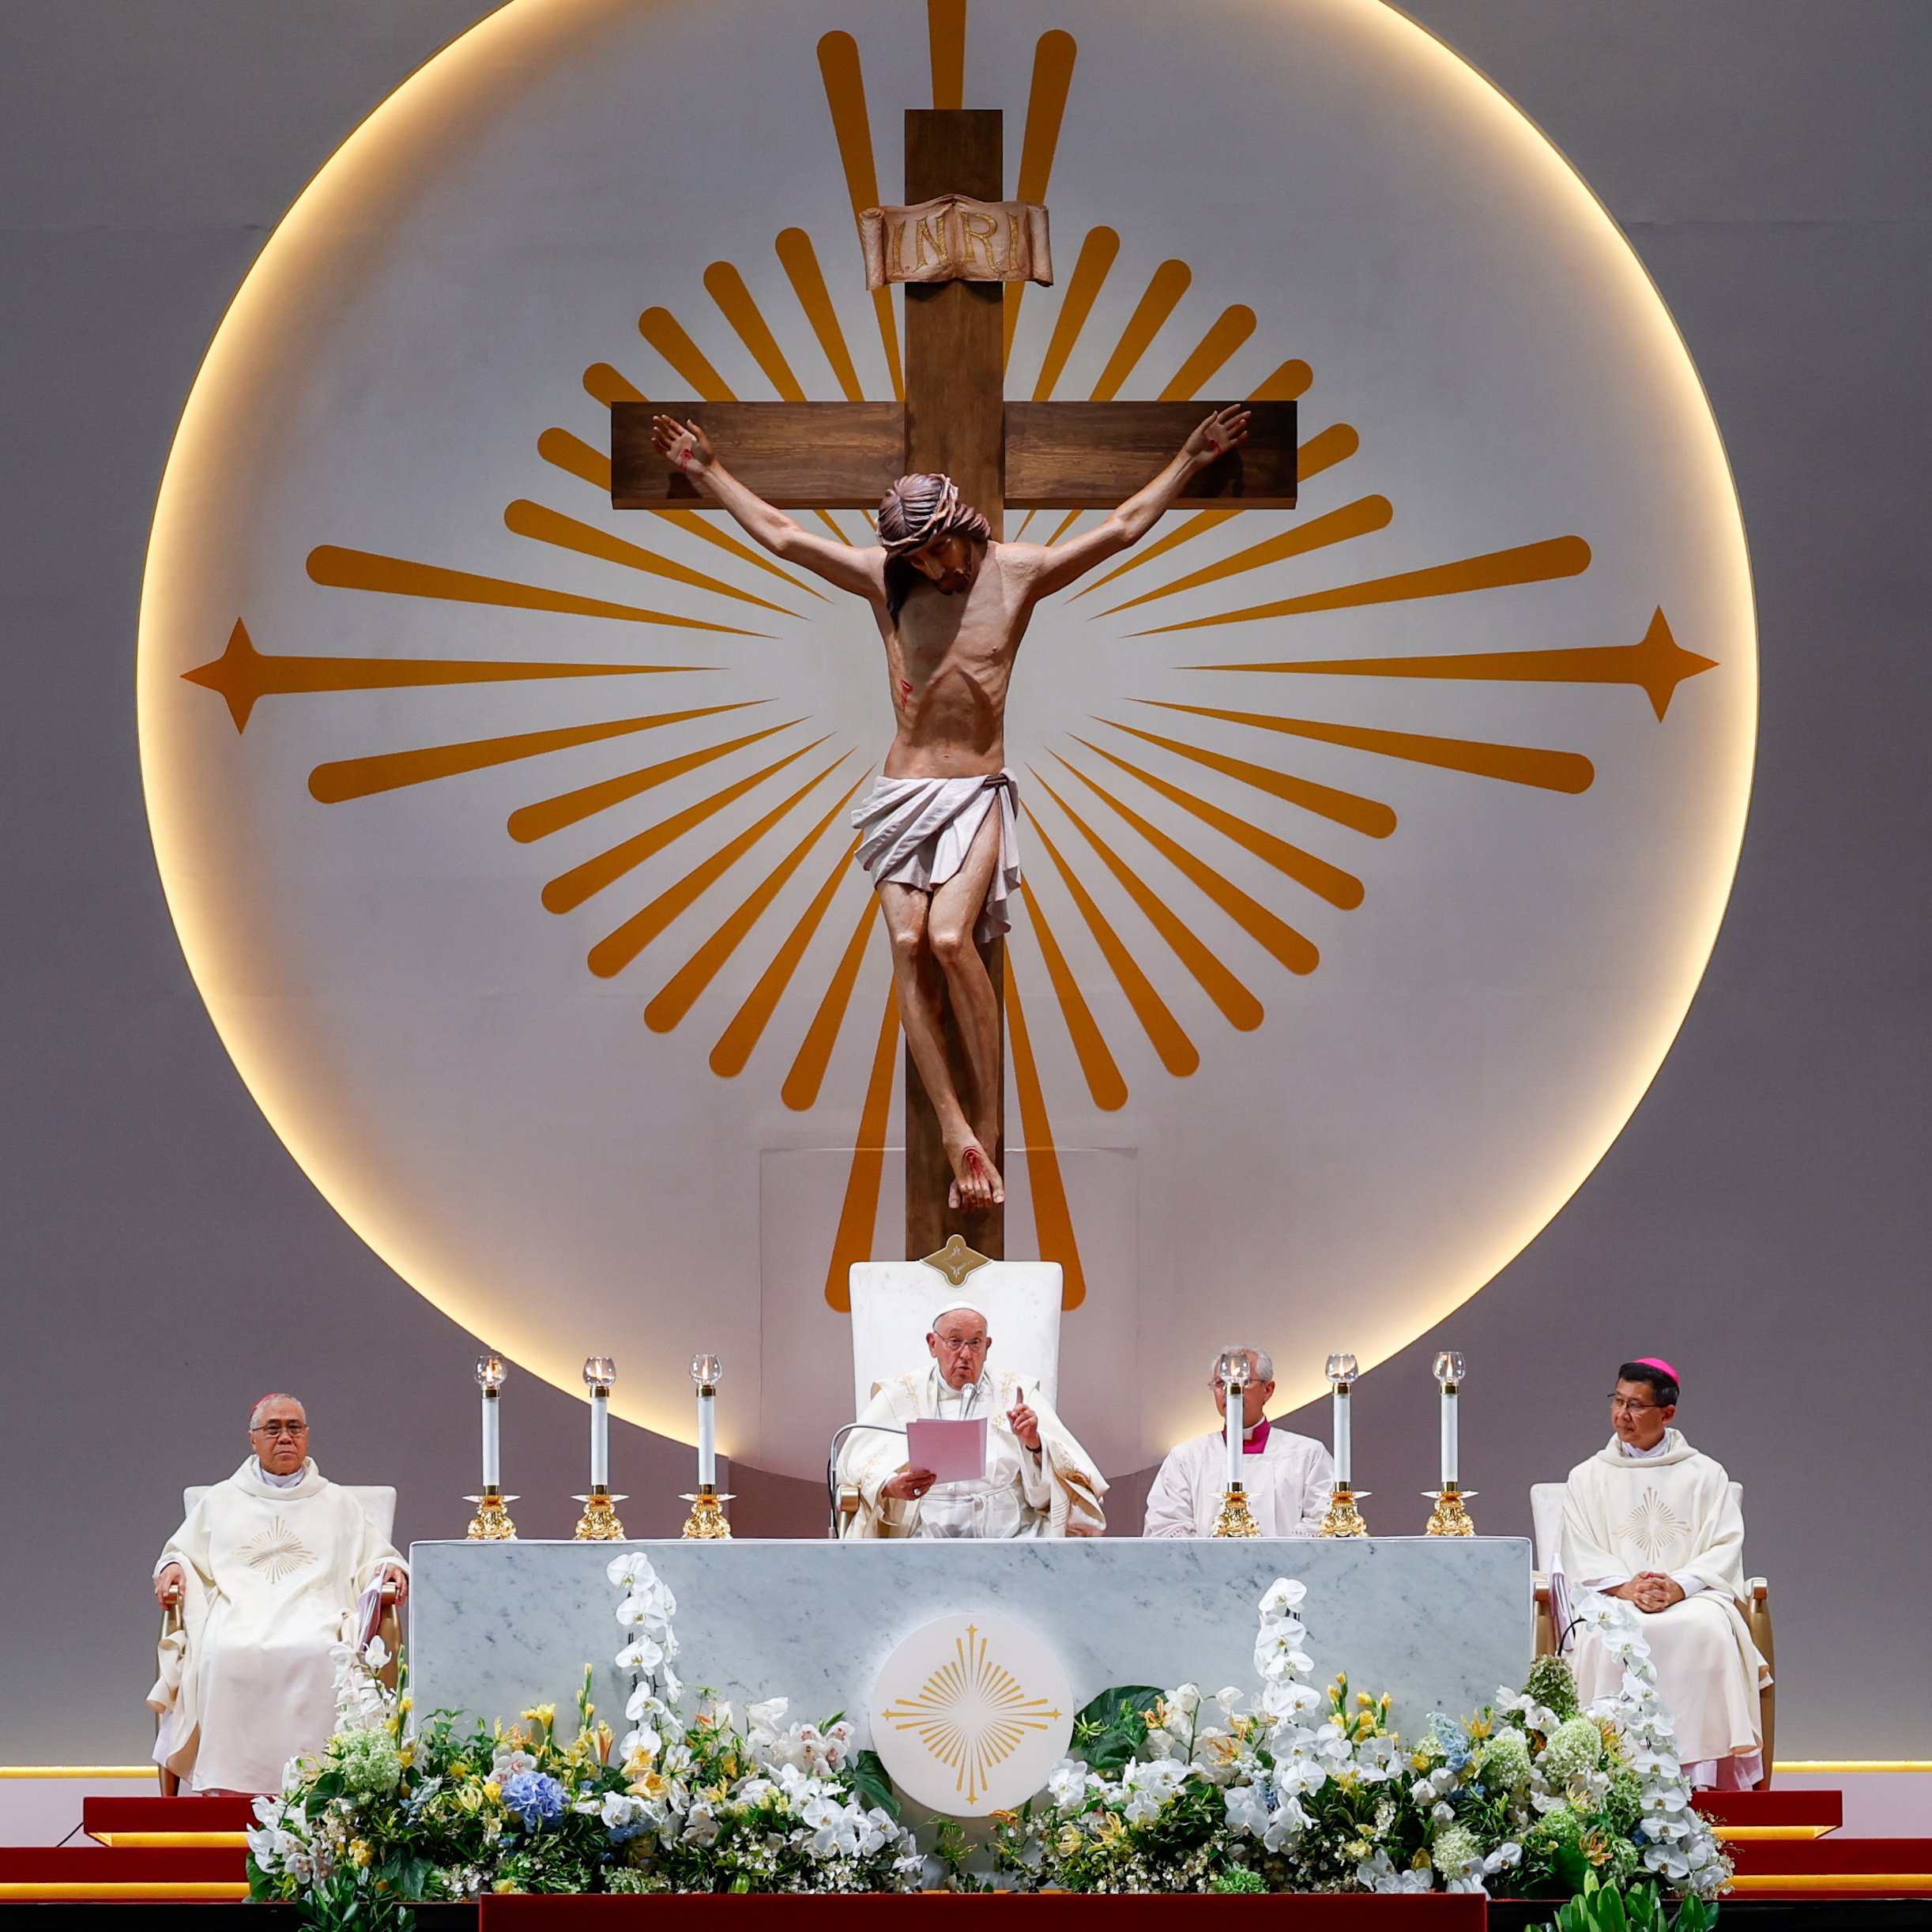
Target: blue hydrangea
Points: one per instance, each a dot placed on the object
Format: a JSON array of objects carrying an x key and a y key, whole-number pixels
[{"x": 536, "y": 1797}]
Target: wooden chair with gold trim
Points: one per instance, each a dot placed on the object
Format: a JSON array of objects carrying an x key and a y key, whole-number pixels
[
  {"x": 1546, "y": 1516},
  {"x": 378, "y": 1503}
]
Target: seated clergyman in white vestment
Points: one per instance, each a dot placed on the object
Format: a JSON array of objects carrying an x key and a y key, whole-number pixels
[
  {"x": 267, "y": 1571},
  {"x": 1287, "y": 1478},
  {"x": 1038, "y": 1481},
  {"x": 1651, "y": 1520}
]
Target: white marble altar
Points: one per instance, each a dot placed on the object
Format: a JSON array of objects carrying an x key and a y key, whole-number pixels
[{"x": 1438, "y": 1623}]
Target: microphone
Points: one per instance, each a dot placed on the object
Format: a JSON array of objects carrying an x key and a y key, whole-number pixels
[{"x": 831, "y": 1468}]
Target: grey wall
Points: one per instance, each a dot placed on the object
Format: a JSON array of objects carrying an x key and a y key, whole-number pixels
[{"x": 1762, "y": 1221}]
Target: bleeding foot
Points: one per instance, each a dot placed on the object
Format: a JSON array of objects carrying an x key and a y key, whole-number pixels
[{"x": 976, "y": 1184}]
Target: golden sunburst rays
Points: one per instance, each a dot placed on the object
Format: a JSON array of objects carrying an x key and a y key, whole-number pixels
[
  {"x": 972, "y": 1714},
  {"x": 1182, "y": 870}
]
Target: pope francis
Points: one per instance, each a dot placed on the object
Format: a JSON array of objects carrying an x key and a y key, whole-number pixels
[
  {"x": 1038, "y": 1481},
  {"x": 266, "y": 1572}
]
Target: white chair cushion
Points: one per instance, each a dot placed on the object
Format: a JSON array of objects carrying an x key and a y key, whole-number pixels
[{"x": 894, "y": 1303}]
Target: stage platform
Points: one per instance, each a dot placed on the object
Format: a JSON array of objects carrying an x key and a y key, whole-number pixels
[
  {"x": 997, "y": 1914},
  {"x": 179, "y": 1862}
]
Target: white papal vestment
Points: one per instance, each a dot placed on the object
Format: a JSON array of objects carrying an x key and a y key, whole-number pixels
[
  {"x": 272, "y": 1577},
  {"x": 1671, "y": 1510},
  {"x": 1054, "y": 1494},
  {"x": 1287, "y": 1481}
]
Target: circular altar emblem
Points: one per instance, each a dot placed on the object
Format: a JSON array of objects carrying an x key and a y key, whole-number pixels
[
  {"x": 969, "y": 1714},
  {"x": 1373, "y": 847}
]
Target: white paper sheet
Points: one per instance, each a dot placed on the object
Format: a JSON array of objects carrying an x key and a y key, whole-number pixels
[{"x": 954, "y": 1451}]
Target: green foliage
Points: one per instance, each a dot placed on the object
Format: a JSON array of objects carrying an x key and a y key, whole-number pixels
[
  {"x": 1600, "y": 1908},
  {"x": 1239, "y": 1878},
  {"x": 1110, "y": 1730},
  {"x": 872, "y": 1784},
  {"x": 1552, "y": 1683}
]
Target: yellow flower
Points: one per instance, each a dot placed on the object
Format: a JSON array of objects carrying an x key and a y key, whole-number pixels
[
  {"x": 406, "y": 1756},
  {"x": 360, "y": 1851},
  {"x": 1067, "y": 1843},
  {"x": 406, "y": 1703},
  {"x": 543, "y": 1713},
  {"x": 504, "y": 1884},
  {"x": 1478, "y": 1727}
]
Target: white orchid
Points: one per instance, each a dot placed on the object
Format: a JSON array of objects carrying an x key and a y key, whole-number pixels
[
  {"x": 1282, "y": 1596},
  {"x": 1066, "y": 1783},
  {"x": 1379, "y": 1873},
  {"x": 640, "y": 1654}
]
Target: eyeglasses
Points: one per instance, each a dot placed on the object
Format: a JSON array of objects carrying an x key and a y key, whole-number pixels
[
  {"x": 281, "y": 1428},
  {"x": 962, "y": 1348},
  {"x": 1622, "y": 1405}
]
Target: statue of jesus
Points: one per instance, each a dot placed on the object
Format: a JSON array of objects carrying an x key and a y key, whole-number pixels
[{"x": 952, "y": 604}]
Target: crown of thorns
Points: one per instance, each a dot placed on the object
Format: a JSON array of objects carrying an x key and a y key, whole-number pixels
[{"x": 920, "y": 510}]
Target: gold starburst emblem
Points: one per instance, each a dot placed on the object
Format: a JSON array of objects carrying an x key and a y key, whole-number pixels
[
  {"x": 1653, "y": 1526},
  {"x": 971, "y": 1713},
  {"x": 276, "y": 1552}
]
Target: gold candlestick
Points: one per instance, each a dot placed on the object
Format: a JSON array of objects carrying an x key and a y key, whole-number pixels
[
  {"x": 707, "y": 1522},
  {"x": 1343, "y": 1518},
  {"x": 1450, "y": 1517},
  {"x": 599, "y": 1523},
  {"x": 1234, "y": 1519},
  {"x": 491, "y": 1522}
]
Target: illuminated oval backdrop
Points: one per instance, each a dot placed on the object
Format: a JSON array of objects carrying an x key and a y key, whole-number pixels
[{"x": 1373, "y": 849}]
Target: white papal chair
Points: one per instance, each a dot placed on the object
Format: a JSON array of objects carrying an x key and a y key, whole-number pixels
[
  {"x": 894, "y": 1303},
  {"x": 1553, "y": 1595}
]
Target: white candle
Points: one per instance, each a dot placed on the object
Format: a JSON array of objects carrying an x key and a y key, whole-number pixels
[
  {"x": 707, "y": 1439},
  {"x": 1236, "y": 1406},
  {"x": 492, "y": 1446},
  {"x": 600, "y": 1438},
  {"x": 1344, "y": 1447},
  {"x": 1449, "y": 1477}
]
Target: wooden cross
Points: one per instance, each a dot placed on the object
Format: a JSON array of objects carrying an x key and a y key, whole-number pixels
[{"x": 1003, "y": 455}]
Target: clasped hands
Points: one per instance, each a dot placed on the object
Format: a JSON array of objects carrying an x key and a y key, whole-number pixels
[
  {"x": 909, "y": 1484},
  {"x": 1650, "y": 1590}
]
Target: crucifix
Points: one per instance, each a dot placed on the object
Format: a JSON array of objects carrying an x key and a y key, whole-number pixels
[{"x": 955, "y": 423}]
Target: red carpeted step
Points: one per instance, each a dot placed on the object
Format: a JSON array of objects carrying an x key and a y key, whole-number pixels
[
  {"x": 101, "y": 1872},
  {"x": 1842, "y": 1867},
  {"x": 1773, "y": 1814},
  {"x": 167, "y": 1821}
]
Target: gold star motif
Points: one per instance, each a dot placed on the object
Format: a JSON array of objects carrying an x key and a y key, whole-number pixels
[
  {"x": 956, "y": 1261},
  {"x": 276, "y": 1552},
  {"x": 972, "y": 1714},
  {"x": 1653, "y": 1526}
]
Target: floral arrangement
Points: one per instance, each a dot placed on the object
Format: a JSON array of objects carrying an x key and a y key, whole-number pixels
[
  {"x": 385, "y": 1818},
  {"x": 1305, "y": 1791},
  {"x": 1296, "y": 1789}
]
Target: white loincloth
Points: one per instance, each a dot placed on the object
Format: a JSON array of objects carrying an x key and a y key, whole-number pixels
[{"x": 918, "y": 831}]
